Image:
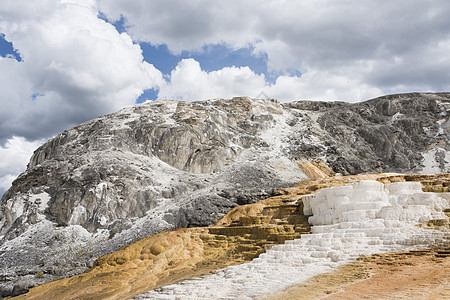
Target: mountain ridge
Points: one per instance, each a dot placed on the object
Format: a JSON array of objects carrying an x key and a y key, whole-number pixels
[{"x": 171, "y": 164}]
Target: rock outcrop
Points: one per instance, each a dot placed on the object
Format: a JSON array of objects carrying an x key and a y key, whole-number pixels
[{"x": 169, "y": 164}]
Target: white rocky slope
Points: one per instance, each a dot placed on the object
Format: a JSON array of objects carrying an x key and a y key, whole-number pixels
[
  {"x": 359, "y": 219},
  {"x": 170, "y": 164}
]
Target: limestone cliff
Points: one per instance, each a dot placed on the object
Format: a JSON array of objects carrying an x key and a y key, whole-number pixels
[{"x": 171, "y": 164}]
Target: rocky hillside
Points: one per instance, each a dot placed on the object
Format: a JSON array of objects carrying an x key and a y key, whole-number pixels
[
  {"x": 369, "y": 214},
  {"x": 170, "y": 164}
]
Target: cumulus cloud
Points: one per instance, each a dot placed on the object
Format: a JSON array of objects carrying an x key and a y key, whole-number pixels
[
  {"x": 14, "y": 157},
  {"x": 189, "y": 82},
  {"x": 183, "y": 25},
  {"x": 74, "y": 67},
  {"x": 392, "y": 46}
]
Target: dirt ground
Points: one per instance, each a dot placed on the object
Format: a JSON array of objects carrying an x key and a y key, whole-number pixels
[{"x": 421, "y": 274}]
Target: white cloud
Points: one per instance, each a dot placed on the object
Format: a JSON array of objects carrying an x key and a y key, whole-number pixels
[
  {"x": 189, "y": 82},
  {"x": 14, "y": 157},
  {"x": 396, "y": 39},
  {"x": 78, "y": 65},
  {"x": 321, "y": 86},
  {"x": 184, "y": 24}
]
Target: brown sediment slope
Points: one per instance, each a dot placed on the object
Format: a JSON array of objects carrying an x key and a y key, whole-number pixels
[
  {"x": 171, "y": 256},
  {"x": 419, "y": 274}
]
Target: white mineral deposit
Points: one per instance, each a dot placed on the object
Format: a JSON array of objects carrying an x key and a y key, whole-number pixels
[{"x": 359, "y": 219}]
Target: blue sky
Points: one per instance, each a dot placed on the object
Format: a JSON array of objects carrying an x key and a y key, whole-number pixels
[
  {"x": 65, "y": 62},
  {"x": 7, "y": 48}
]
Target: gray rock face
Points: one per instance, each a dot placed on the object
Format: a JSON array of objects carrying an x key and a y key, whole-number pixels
[{"x": 170, "y": 164}]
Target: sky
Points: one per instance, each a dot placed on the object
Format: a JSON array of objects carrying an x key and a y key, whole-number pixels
[{"x": 63, "y": 62}]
